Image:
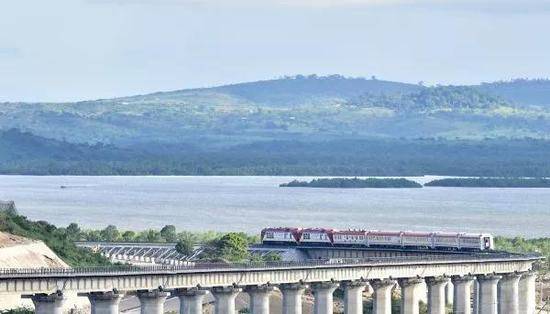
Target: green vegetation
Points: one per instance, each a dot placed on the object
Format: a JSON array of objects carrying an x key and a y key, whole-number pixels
[
  {"x": 521, "y": 245},
  {"x": 23, "y": 153},
  {"x": 185, "y": 246},
  {"x": 312, "y": 106},
  {"x": 60, "y": 240},
  {"x": 303, "y": 125},
  {"x": 228, "y": 247},
  {"x": 431, "y": 100},
  {"x": 492, "y": 182},
  {"x": 354, "y": 183},
  {"x": 231, "y": 247},
  {"x": 167, "y": 234}
]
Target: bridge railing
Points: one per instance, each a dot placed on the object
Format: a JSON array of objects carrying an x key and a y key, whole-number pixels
[{"x": 207, "y": 266}]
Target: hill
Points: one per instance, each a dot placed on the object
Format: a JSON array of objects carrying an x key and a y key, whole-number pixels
[
  {"x": 520, "y": 91},
  {"x": 293, "y": 125},
  {"x": 287, "y": 91},
  {"x": 321, "y": 108}
]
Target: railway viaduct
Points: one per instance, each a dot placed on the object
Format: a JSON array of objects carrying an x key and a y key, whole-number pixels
[{"x": 506, "y": 284}]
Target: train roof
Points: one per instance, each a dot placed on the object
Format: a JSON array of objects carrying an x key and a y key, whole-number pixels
[
  {"x": 416, "y": 233},
  {"x": 474, "y": 235},
  {"x": 281, "y": 229},
  {"x": 359, "y": 232},
  {"x": 318, "y": 230},
  {"x": 447, "y": 234},
  {"x": 378, "y": 232}
]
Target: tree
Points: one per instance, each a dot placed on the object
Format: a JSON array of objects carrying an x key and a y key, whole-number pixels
[
  {"x": 128, "y": 236},
  {"x": 233, "y": 247},
  {"x": 110, "y": 234},
  {"x": 151, "y": 235},
  {"x": 93, "y": 235},
  {"x": 169, "y": 234},
  {"x": 73, "y": 232},
  {"x": 185, "y": 246}
]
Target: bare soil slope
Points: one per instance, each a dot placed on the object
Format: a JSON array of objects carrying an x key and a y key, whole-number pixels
[{"x": 20, "y": 252}]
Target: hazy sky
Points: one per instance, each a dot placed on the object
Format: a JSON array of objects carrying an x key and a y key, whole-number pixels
[{"x": 61, "y": 50}]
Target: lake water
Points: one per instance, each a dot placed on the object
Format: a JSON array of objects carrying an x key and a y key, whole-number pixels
[{"x": 251, "y": 203}]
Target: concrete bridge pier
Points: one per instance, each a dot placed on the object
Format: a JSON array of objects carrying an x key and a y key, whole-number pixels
[
  {"x": 449, "y": 293},
  {"x": 382, "y": 295},
  {"x": 508, "y": 294},
  {"x": 190, "y": 300},
  {"x": 488, "y": 296},
  {"x": 323, "y": 292},
  {"x": 152, "y": 301},
  {"x": 47, "y": 303},
  {"x": 353, "y": 296},
  {"x": 103, "y": 302},
  {"x": 462, "y": 294},
  {"x": 527, "y": 288},
  {"x": 436, "y": 294},
  {"x": 259, "y": 298},
  {"x": 475, "y": 297},
  {"x": 410, "y": 295},
  {"x": 292, "y": 297},
  {"x": 225, "y": 299}
]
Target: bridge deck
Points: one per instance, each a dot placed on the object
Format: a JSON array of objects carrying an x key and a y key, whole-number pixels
[{"x": 222, "y": 267}]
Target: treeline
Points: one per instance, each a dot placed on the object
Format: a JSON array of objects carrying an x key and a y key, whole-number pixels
[
  {"x": 492, "y": 182},
  {"x": 354, "y": 183},
  {"x": 23, "y": 153},
  {"x": 522, "y": 245},
  {"x": 432, "y": 99},
  {"x": 167, "y": 234},
  {"x": 217, "y": 246}
]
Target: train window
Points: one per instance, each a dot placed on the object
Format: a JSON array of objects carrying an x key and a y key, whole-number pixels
[
  {"x": 269, "y": 235},
  {"x": 306, "y": 236}
]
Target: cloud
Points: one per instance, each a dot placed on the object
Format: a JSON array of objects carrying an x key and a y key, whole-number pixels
[
  {"x": 10, "y": 52},
  {"x": 486, "y": 6},
  {"x": 327, "y": 3}
]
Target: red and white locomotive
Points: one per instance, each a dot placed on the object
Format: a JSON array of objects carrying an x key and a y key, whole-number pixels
[{"x": 386, "y": 239}]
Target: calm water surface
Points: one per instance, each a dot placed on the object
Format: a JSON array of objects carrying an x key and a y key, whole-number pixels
[{"x": 251, "y": 203}]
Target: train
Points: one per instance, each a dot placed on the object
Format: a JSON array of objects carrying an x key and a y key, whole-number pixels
[{"x": 375, "y": 238}]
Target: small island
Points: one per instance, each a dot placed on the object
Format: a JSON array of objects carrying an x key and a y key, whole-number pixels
[
  {"x": 354, "y": 183},
  {"x": 491, "y": 182}
]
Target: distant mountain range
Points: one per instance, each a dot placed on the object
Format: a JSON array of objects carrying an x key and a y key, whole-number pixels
[
  {"x": 293, "y": 125},
  {"x": 294, "y": 107}
]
